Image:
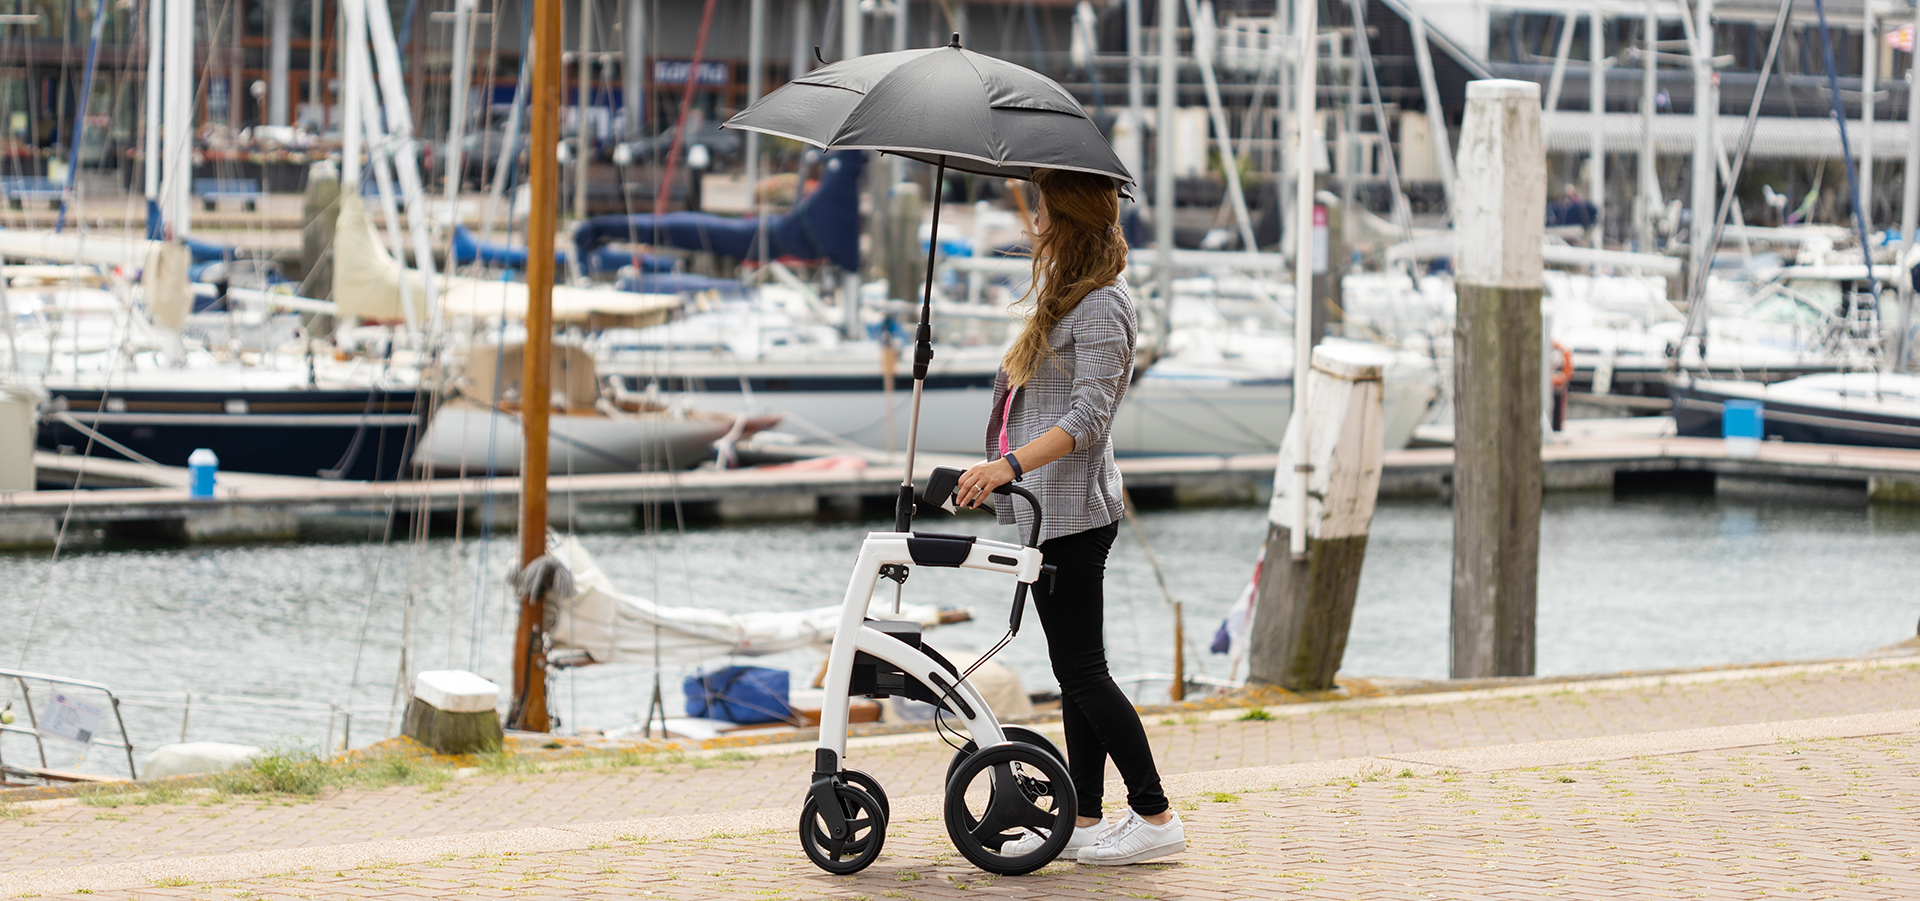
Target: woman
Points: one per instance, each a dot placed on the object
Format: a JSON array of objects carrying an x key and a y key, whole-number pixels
[{"x": 1054, "y": 400}]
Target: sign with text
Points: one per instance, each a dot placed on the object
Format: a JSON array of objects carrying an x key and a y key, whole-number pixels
[
  {"x": 71, "y": 719},
  {"x": 674, "y": 71}
]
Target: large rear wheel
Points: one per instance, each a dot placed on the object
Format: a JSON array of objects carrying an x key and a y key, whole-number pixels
[
  {"x": 1020, "y": 734},
  {"x": 1002, "y": 793}
]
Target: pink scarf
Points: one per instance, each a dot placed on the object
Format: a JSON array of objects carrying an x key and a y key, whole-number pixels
[{"x": 1006, "y": 414}]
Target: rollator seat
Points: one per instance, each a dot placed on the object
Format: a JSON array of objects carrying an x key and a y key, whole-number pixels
[{"x": 876, "y": 678}]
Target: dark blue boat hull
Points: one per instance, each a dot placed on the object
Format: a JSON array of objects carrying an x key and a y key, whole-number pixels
[
  {"x": 1697, "y": 413},
  {"x": 358, "y": 435}
]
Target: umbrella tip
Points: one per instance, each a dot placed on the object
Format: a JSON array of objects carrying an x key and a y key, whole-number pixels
[{"x": 955, "y": 41}]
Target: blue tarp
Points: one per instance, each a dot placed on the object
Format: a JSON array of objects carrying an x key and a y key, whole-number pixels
[
  {"x": 823, "y": 225},
  {"x": 467, "y": 248}
]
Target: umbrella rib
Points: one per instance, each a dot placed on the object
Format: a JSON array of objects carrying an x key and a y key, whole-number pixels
[
  {"x": 982, "y": 78},
  {"x": 836, "y": 87},
  {"x": 888, "y": 148},
  {"x": 778, "y": 134}
]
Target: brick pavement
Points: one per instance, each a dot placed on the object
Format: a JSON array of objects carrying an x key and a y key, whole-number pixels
[
  {"x": 74, "y": 835},
  {"x": 1827, "y": 811}
]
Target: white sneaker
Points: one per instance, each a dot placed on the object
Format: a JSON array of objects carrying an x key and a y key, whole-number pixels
[
  {"x": 1083, "y": 837},
  {"x": 1133, "y": 840}
]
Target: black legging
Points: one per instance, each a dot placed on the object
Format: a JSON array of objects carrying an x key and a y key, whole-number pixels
[{"x": 1099, "y": 720}]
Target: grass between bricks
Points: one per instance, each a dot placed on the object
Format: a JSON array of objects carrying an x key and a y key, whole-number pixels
[{"x": 297, "y": 773}]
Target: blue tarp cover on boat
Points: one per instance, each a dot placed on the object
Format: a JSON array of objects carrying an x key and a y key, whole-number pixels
[
  {"x": 468, "y": 248},
  {"x": 823, "y": 225}
]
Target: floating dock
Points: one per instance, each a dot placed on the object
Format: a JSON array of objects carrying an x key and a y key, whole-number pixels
[{"x": 252, "y": 507}]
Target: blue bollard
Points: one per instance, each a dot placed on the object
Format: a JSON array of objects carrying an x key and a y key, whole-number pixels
[
  {"x": 1743, "y": 425},
  {"x": 203, "y": 470}
]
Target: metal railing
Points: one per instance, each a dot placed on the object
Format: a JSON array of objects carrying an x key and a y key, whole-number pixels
[{"x": 32, "y": 728}]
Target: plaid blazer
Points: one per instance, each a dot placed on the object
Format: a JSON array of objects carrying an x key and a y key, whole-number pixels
[{"x": 1077, "y": 388}]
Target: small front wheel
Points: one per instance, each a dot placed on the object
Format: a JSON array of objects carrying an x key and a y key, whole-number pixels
[
  {"x": 865, "y": 781},
  {"x": 856, "y": 849}
]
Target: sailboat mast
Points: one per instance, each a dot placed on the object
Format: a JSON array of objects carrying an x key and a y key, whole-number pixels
[
  {"x": 1306, "y": 21},
  {"x": 1909, "y": 215},
  {"x": 156, "y": 49},
  {"x": 1167, "y": 23},
  {"x": 582, "y": 97},
  {"x": 176, "y": 204},
  {"x": 529, "y": 658},
  {"x": 461, "y": 82}
]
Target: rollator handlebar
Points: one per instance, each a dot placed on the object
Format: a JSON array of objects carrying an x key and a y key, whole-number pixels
[
  {"x": 939, "y": 490},
  {"x": 944, "y": 479}
]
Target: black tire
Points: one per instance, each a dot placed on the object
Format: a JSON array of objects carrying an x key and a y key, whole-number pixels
[
  {"x": 1025, "y": 789},
  {"x": 866, "y": 832},
  {"x": 872, "y": 786},
  {"x": 1020, "y": 734}
]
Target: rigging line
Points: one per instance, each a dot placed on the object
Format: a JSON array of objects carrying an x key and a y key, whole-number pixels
[
  {"x": 686, "y": 106},
  {"x": 366, "y": 610},
  {"x": 1846, "y": 149},
  {"x": 488, "y": 120},
  {"x": 650, "y": 523},
  {"x": 475, "y": 642},
  {"x": 1696, "y": 293},
  {"x": 507, "y": 166},
  {"x": 73, "y": 494}
]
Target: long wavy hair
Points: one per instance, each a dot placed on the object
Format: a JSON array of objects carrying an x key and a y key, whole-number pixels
[{"x": 1081, "y": 250}]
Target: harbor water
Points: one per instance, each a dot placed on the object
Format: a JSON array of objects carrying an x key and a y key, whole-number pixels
[{"x": 278, "y": 643}]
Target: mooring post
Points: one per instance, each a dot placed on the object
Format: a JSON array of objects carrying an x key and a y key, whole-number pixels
[
  {"x": 1304, "y": 607},
  {"x": 1496, "y": 369},
  {"x": 901, "y": 242}
]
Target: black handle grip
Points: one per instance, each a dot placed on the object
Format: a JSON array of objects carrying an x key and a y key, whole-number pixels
[
  {"x": 940, "y": 485},
  {"x": 944, "y": 479}
]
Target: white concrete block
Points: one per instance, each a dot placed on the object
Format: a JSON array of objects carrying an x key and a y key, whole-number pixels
[{"x": 456, "y": 691}]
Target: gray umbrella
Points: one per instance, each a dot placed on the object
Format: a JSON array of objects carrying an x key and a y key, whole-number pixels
[
  {"x": 946, "y": 106},
  {"x": 951, "y": 107}
]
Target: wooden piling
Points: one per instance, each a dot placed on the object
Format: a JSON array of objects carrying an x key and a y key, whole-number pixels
[
  {"x": 1496, "y": 364},
  {"x": 1329, "y": 264},
  {"x": 1304, "y": 607},
  {"x": 904, "y": 261}
]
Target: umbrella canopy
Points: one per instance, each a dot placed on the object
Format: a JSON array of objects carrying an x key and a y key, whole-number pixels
[{"x": 946, "y": 106}]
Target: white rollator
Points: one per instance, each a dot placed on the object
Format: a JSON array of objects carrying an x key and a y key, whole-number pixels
[{"x": 1005, "y": 783}]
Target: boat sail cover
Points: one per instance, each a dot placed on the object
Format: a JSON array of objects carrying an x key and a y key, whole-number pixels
[
  {"x": 367, "y": 279},
  {"x": 614, "y": 627}
]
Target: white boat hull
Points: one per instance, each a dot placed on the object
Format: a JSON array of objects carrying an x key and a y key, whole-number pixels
[
  {"x": 1195, "y": 416},
  {"x": 472, "y": 439}
]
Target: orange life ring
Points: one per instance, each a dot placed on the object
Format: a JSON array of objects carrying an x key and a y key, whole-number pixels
[{"x": 1564, "y": 376}]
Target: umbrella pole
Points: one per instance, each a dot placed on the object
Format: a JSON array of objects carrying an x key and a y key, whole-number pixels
[{"x": 922, "y": 355}]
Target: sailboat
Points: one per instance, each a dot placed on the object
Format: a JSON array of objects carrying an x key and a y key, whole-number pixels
[{"x": 476, "y": 429}]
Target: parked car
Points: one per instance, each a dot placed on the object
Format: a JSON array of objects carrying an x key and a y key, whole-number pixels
[{"x": 724, "y": 145}]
